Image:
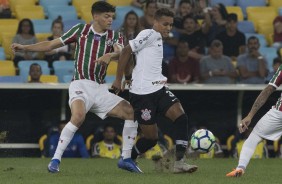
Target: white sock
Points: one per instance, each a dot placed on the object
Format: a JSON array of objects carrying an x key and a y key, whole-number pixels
[
  {"x": 129, "y": 134},
  {"x": 65, "y": 138},
  {"x": 248, "y": 150}
]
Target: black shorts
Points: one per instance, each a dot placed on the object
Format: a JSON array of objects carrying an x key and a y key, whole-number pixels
[{"x": 147, "y": 107}]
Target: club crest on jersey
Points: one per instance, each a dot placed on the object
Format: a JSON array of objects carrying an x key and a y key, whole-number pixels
[
  {"x": 109, "y": 42},
  {"x": 146, "y": 114}
]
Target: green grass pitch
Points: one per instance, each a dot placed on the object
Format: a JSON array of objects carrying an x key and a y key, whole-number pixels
[{"x": 104, "y": 171}]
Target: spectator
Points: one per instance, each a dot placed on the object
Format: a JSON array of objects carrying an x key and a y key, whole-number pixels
[
  {"x": 252, "y": 65},
  {"x": 139, "y": 3},
  {"x": 234, "y": 41},
  {"x": 277, "y": 37},
  {"x": 199, "y": 6},
  {"x": 35, "y": 73},
  {"x": 160, "y": 3},
  {"x": 147, "y": 21},
  {"x": 62, "y": 53},
  {"x": 25, "y": 36},
  {"x": 76, "y": 147},
  {"x": 184, "y": 9},
  {"x": 194, "y": 37},
  {"x": 217, "y": 68},
  {"x": 5, "y": 11},
  {"x": 130, "y": 27},
  {"x": 107, "y": 148},
  {"x": 183, "y": 69},
  {"x": 215, "y": 21},
  {"x": 275, "y": 65}
]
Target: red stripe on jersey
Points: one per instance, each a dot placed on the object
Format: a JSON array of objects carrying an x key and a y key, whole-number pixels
[{"x": 110, "y": 37}]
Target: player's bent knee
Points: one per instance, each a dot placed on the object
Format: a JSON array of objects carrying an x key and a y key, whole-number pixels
[{"x": 78, "y": 118}]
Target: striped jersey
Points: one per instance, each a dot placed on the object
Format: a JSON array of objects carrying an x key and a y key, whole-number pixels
[
  {"x": 276, "y": 81},
  {"x": 90, "y": 45}
]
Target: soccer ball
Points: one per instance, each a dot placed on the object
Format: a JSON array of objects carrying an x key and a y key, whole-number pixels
[{"x": 202, "y": 141}]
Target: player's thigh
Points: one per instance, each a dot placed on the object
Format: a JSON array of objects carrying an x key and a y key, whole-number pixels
[
  {"x": 270, "y": 125},
  {"x": 145, "y": 108},
  {"x": 169, "y": 105},
  {"x": 122, "y": 110},
  {"x": 149, "y": 131},
  {"x": 78, "y": 112}
]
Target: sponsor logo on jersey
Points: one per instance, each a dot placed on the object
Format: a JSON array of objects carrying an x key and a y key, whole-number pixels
[
  {"x": 146, "y": 114},
  {"x": 78, "y": 92},
  {"x": 158, "y": 82}
]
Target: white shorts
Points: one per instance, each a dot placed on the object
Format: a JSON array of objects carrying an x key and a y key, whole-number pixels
[
  {"x": 270, "y": 125},
  {"x": 96, "y": 97}
]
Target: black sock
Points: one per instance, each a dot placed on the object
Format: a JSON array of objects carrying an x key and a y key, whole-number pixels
[
  {"x": 141, "y": 146},
  {"x": 180, "y": 150}
]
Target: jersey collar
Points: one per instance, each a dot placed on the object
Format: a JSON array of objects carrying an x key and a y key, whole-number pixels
[{"x": 100, "y": 34}]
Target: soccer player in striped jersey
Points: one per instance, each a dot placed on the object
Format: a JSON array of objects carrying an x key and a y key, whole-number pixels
[
  {"x": 268, "y": 127},
  {"x": 96, "y": 46},
  {"x": 149, "y": 95}
]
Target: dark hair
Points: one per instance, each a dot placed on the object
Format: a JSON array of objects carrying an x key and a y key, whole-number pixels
[
  {"x": 232, "y": 17},
  {"x": 58, "y": 21},
  {"x": 253, "y": 38},
  {"x": 31, "y": 31},
  {"x": 190, "y": 16},
  {"x": 184, "y": 1},
  {"x": 102, "y": 7},
  {"x": 34, "y": 64},
  {"x": 108, "y": 125},
  {"x": 183, "y": 42},
  {"x": 163, "y": 12},
  {"x": 137, "y": 27},
  {"x": 148, "y": 2},
  {"x": 222, "y": 10},
  {"x": 277, "y": 60}
]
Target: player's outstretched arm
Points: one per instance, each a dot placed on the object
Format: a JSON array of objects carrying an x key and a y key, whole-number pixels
[
  {"x": 122, "y": 63},
  {"x": 38, "y": 47},
  {"x": 260, "y": 101}
]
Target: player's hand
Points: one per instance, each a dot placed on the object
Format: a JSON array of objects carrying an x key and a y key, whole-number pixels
[
  {"x": 116, "y": 86},
  {"x": 244, "y": 124},
  {"x": 117, "y": 47},
  {"x": 125, "y": 83},
  {"x": 17, "y": 47},
  {"x": 104, "y": 60}
]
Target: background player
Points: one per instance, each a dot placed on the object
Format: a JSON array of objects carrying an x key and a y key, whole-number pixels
[
  {"x": 96, "y": 46},
  {"x": 148, "y": 94},
  {"x": 268, "y": 127}
]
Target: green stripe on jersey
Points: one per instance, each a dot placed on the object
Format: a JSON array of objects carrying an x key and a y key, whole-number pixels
[{"x": 88, "y": 54}]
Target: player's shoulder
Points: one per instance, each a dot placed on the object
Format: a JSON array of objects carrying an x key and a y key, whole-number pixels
[{"x": 148, "y": 32}]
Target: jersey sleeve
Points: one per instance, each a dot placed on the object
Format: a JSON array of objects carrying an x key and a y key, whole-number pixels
[
  {"x": 277, "y": 78},
  {"x": 71, "y": 35},
  {"x": 143, "y": 39}
]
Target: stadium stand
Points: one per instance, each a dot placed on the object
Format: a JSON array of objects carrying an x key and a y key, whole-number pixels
[
  {"x": 47, "y": 78},
  {"x": 237, "y": 10},
  {"x": 2, "y": 54},
  {"x": 225, "y": 2},
  {"x": 262, "y": 40},
  {"x": 265, "y": 28},
  {"x": 68, "y": 24},
  {"x": 14, "y": 3},
  {"x": 67, "y": 78},
  {"x": 82, "y": 3},
  {"x": 246, "y": 3},
  {"x": 112, "y": 68},
  {"x": 30, "y": 12},
  {"x": 8, "y": 26},
  {"x": 11, "y": 79},
  {"x": 269, "y": 53},
  {"x": 62, "y": 68},
  {"x": 7, "y": 68},
  {"x": 120, "y": 3},
  {"x": 42, "y": 26},
  {"x": 46, "y": 3},
  {"x": 275, "y": 3},
  {"x": 24, "y": 67},
  {"x": 6, "y": 44},
  {"x": 246, "y": 27},
  {"x": 67, "y": 12}
]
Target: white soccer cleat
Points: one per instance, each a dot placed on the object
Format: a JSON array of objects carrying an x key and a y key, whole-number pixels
[{"x": 182, "y": 167}]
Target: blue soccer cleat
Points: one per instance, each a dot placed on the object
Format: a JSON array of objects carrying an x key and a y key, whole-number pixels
[
  {"x": 129, "y": 165},
  {"x": 53, "y": 166}
]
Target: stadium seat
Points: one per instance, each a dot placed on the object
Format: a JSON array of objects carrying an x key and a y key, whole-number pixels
[
  {"x": 169, "y": 142},
  {"x": 269, "y": 53},
  {"x": 80, "y": 3},
  {"x": 62, "y": 68},
  {"x": 85, "y": 14},
  {"x": 67, "y": 78},
  {"x": 47, "y": 78},
  {"x": 266, "y": 28},
  {"x": 25, "y": 65},
  {"x": 2, "y": 54},
  {"x": 45, "y": 3},
  {"x": 7, "y": 68},
  {"x": 67, "y": 12},
  {"x": 275, "y": 3},
  {"x": 42, "y": 36},
  {"x": 237, "y": 10},
  {"x": 14, "y": 3},
  {"x": 112, "y": 68},
  {"x": 224, "y": 2},
  {"x": 68, "y": 24},
  {"x": 110, "y": 78},
  {"x": 30, "y": 12},
  {"x": 42, "y": 26},
  {"x": 280, "y": 11},
  {"x": 88, "y": 141},
  {"x": 121, "y": 11},
  {"x": 123, "y": 2},
  {"x": 7, "y": 39},
  {"x": 11, "y": 79},
  {"x": 262, "y": 40},
  {"x": 246, "y": 3},
  {"x": 257, "y": 14},
  {"x": 8, "y": 26},
  {"x": 246, "y": 27}
]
